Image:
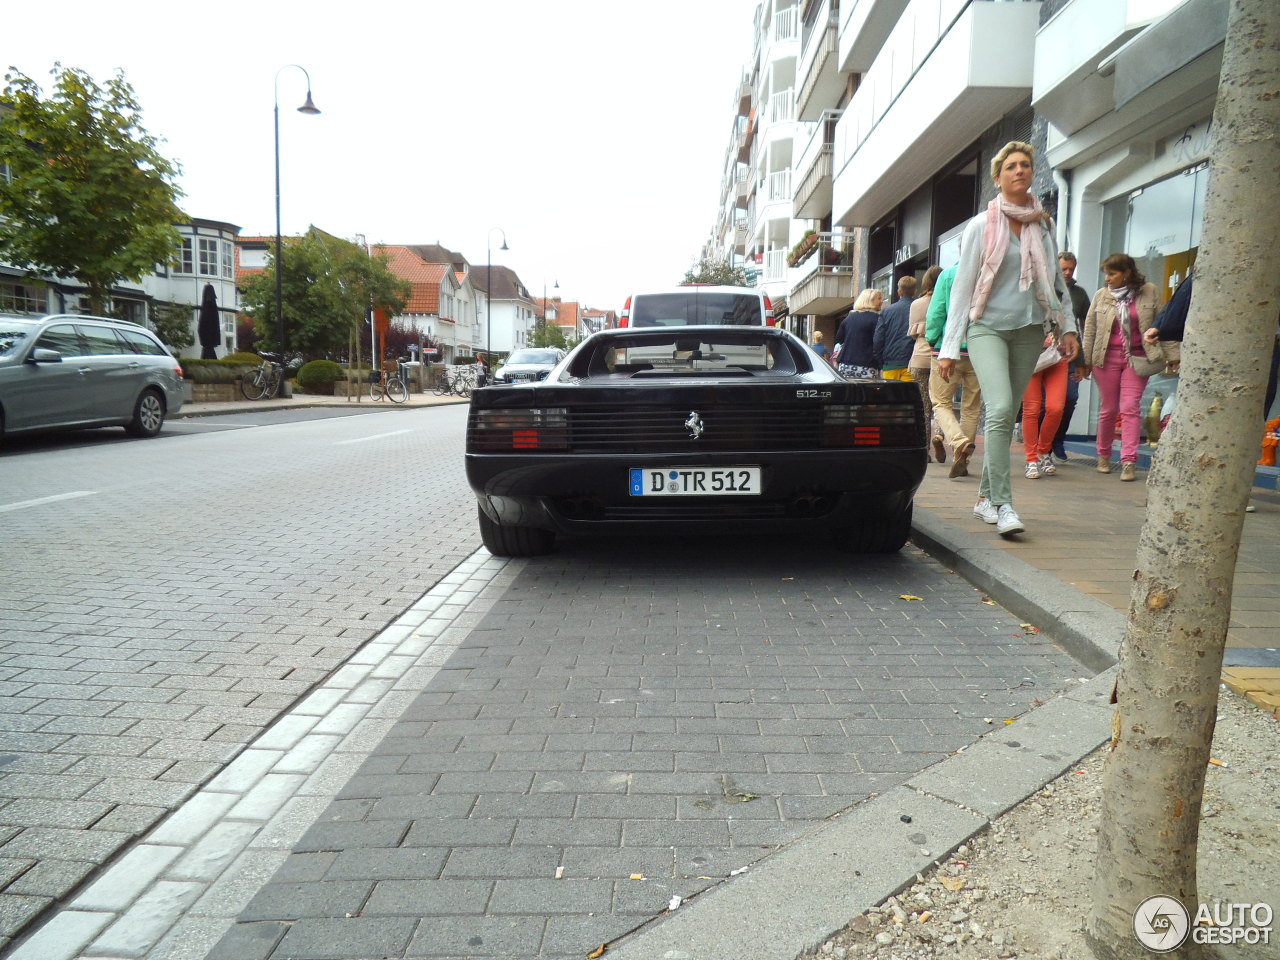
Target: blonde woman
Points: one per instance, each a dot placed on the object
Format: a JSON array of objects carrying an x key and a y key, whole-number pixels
[
  {"x": 1007, "y": 296},
  {"x": 854, "y": 355}
]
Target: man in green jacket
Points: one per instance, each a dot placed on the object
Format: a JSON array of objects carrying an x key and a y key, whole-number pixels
[{"x": 960, "y": 433}]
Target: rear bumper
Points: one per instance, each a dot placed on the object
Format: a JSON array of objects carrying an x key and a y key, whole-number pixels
[{"x": 582, "y": 495}]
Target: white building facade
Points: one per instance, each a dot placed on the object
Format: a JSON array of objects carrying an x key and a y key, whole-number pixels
[{"x": 899, "y": 106}]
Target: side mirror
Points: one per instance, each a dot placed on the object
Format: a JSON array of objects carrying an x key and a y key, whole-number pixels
[{"x": 44, "y": 355}]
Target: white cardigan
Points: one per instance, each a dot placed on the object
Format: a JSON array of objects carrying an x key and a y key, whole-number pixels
[{"x": 966, "y": 280}]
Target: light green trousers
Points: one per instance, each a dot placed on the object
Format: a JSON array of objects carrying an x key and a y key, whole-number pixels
[{"x": 1004, "y": 361}]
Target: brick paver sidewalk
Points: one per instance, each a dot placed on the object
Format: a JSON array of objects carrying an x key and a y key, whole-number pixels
[{"x": 1083, "y": 527}]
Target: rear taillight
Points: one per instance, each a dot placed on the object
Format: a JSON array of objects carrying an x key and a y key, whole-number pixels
[
  {"x": 535, "y": 429},
  {"x": 625, "y": 319},
  {"x": 768, "y": 312},
  {"x": 177, "y": 369},
  {"x": 870, "y": 425}
]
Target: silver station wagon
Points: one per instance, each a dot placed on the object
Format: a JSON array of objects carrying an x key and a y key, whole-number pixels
[{"x": 68, "y": 371}]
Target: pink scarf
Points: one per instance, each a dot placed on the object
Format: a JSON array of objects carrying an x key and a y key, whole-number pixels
[{"x": 1034, "y": 271}]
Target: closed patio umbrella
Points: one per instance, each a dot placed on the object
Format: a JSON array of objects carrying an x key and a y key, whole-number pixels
[{"x": 210, "y": 326}]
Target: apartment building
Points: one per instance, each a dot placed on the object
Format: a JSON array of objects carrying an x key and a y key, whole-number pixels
[
  {"x": 899, "y": 105},
  {"x": 755, "y": 226}
]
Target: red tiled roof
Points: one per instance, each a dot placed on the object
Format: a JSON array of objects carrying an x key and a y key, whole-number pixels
[{"x": 424, "y": 277}]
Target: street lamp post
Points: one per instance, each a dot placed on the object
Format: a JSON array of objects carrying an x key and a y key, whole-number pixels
[
  {"x": 541, "y": 323},
  {"x": 308, "y": 108},
  {"x": 488, "y": 320}
]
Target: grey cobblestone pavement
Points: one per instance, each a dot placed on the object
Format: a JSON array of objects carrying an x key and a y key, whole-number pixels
[
  {"x": 620, "y": 730},
  {"x": 163, "y": 602}
]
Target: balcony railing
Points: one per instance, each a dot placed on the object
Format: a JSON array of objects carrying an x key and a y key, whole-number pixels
[
  {"x": 776, "y": 186},
  {"x": 775, "y": 265},
  {"x": 786, "y": 24},
  {"x": 782, "y": 105},
  {"x": 828, "y": 252}
]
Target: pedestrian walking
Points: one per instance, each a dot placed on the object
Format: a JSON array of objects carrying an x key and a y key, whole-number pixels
[
  {"x": 922, "y": 358},
  {"x": 1005, "y": 300},
  {"x": 1067, "y": 263},
  {"x": 1043, "y": 404},
  {"x": 961, "y": 434},
  {"x": 1118, "y": 357},
  {"x": 892, "y": 344},
  {"x": 819, "y": 347},
  {"x": 853, "y": 356}
]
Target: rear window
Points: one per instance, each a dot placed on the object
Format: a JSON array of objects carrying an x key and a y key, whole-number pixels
[
  {"x": 13, "y": 334},
  {"x": 683, "y": 309}
]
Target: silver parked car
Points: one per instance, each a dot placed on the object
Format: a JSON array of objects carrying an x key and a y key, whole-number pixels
[
  {"x": 528, "y": 365},
  {"x": 68, "y": 371}
]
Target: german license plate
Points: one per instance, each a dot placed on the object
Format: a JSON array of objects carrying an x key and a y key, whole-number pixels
[{"x": 694, "y": 481}]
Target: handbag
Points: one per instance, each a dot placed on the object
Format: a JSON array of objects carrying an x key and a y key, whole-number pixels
[{"x": 1049, "y": 356}]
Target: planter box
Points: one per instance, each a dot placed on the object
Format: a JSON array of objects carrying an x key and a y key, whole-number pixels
[{"x": 212, "y": 392}]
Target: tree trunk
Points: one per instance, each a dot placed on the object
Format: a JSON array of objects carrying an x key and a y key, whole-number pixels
[{"x": 1166, "y": 692}]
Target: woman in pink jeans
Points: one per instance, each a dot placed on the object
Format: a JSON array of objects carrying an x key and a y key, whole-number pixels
[{"x": 1118, "y": 316}]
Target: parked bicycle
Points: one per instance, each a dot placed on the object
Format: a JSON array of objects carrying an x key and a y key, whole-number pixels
[
  {"x": 395, "y": 387},
  {"x": 264, "y": 380},
  {"x": 460, "y": 382}
]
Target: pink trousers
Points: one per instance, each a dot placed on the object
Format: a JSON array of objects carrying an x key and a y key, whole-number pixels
[{"x": 1119, "y": 390}]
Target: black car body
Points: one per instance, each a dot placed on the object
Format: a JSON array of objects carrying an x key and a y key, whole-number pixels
[{"x": 739, "y": 428}]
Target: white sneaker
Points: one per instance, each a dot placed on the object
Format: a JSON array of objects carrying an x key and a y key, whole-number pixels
[
  {"x": 1046, "y": 466},
  {"x": 985, "y": 510},
  {"x": 1033, "y": 470},
  {"x": 1007, "y": 522}
]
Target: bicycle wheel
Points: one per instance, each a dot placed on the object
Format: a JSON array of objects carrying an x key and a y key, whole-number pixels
[
  {"x": 272, "y": 386},
  {"x": 252, "y": 385},
  {"x": 442, "y": 388},
  {"x": 397, "y": 392},
  {"x": 375, "y": 391}
]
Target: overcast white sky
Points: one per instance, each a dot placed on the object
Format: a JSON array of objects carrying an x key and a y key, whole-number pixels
[{"x": 592, "y": 132}]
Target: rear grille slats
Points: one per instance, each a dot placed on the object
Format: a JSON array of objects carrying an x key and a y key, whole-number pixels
[{"x": 738, "y": 427}]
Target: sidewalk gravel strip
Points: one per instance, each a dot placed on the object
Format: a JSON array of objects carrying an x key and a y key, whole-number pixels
[{"x": 177, "y": 893}]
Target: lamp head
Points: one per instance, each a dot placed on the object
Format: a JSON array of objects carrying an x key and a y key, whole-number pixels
[
  {"x": 504, "y": 244},
  {"x": 309, "y": 107}
]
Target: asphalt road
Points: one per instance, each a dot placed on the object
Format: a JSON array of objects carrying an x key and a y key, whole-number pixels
[{"x": 674, "y": 708}]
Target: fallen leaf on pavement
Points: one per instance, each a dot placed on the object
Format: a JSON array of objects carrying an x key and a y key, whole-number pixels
[
  {"x": 637, "y": 876},
  {"x": 907, "y": 596},
  {"x": 1010, "y": 720},
  {"x": 597, "y": 952}
]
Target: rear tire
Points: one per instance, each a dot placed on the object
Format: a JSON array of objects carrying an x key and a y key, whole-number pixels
[
  {"x": 148, "y": 415},
  {"x": 396, "y": 391},
  {"x": 887, "y": 534},
  {"x": 505, "y": 541}
]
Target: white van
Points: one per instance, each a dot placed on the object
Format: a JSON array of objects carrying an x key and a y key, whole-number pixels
[{"x": 695, "y": 303}]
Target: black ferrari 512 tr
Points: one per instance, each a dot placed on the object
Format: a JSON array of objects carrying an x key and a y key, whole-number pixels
[{"x": 690, "y": 429}]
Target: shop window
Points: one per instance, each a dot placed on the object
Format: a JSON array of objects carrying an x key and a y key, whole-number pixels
[{"x": 1159, "y": 226}]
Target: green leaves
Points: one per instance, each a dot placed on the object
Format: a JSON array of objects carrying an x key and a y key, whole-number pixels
[
  {"x": 328, "y": 285},
  {"x": 89, "y": 195}
]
